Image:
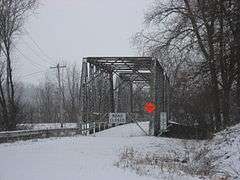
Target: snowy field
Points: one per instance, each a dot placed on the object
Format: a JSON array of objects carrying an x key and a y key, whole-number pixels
[{"x": 87, "y": 157}]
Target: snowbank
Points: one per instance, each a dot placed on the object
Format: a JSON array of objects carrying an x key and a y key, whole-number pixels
[{"x": 225, "y": 149}]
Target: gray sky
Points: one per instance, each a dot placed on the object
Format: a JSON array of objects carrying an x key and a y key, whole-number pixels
[{"x": 67, "y": 30}]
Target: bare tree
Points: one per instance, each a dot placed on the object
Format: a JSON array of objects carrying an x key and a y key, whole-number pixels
[
  {"x": 12, "y": 16},
  {"x": 193, "y": 26},
  {"x": 73, "y": 84}
]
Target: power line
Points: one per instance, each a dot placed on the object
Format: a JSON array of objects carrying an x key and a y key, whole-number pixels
[
  {"x": 41, "y": 58},
  {"x": 37, "y": 65},
  {"x": 37, "y": 45},
  {"x": 38, "y": 72}
]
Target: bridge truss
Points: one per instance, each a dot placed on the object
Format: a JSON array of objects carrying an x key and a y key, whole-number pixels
[{"x": 114, "y": 84}]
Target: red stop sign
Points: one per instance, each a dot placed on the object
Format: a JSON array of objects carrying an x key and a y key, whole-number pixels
[{"x": 150, "y": 107}]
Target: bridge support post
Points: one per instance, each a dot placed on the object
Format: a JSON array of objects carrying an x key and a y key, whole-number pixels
[
  {"x": 156, "y": 91},
  {"x": 111, "y": 91}
]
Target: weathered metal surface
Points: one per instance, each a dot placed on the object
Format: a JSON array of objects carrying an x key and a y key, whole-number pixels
[
  {"x": 84, "y": 129},
  {"x": 35, "y": 134},
  {"x": 108, "y": 85}
]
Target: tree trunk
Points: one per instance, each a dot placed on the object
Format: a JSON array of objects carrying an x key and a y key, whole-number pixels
[
  {"x": 238, "y": 84},
  {"x": 209, "y": 56},
  {"x": 10, "y": 93},
  {"x": 224, "y": 69},
  {"x": 216, "y": 102},
  {"x": 237, "y": 37},
  {"x": 226, "y": 108}
]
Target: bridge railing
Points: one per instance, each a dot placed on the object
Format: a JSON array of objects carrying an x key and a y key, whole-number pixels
[{"x": 83, "y": 129}]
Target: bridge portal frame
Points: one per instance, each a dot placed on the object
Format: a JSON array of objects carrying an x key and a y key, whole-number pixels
[{"x": 102, "y": 76}]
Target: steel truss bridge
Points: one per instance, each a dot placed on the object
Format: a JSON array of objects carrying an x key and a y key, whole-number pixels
[{"x": 124, "y": 85}]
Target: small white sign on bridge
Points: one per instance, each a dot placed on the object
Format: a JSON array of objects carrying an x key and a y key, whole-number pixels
[
  {"x": 118, "y": 118},
  {"x": 163, "y": 121}
]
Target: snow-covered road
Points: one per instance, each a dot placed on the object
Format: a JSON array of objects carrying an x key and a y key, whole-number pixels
[{"x": 80, "y": 157}]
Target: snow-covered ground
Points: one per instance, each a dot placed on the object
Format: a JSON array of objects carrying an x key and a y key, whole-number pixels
[
  {"x": 75, "y": 158},
  {"x": 124, "y": 131},
  {"x": 225, "y": 149},
  {"x": 88, "y": 157}
]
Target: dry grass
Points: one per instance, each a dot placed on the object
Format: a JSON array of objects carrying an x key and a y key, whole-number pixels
[{"x": 193, "y": 163}]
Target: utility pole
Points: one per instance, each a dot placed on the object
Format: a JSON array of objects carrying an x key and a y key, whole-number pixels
[{"x": 61, "y": 93}]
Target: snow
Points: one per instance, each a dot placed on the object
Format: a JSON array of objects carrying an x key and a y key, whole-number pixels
[
  {"x": 129, "y": 130},
  {"x": 60, "y": 159},
  {"x": 225, "y": 148},
  {"x": 79, "y": 157},
  {"x": 94, "y": 157}
]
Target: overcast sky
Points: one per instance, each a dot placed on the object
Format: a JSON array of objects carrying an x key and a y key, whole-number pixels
[{"x": 67, "y": 30}]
